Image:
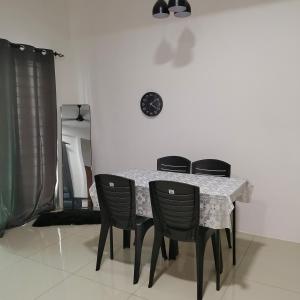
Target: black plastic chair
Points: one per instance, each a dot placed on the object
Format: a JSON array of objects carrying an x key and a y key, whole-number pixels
[
  {"x": 177, "y": 164},
  {"x": 117, "y": 203},
  {"x": 176, "y": 211},
  {"x": 211, "y": 167},
  {"x": 218, "y": 168}
]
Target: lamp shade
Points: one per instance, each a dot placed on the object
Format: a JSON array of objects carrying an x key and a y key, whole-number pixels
[
  {"x": 160, "y": 10},
  {"x": 186, "y": 13},
  {"x": 177, "y": 5}
]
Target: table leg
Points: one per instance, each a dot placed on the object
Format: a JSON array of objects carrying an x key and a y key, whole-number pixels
[
  {"x": 233, "y": 235},
  {"x": 173, "y": 250},
  {"x": 126, "y": 238},
  {"x": 220, "y": 252},
  {"x": 219, "y": 269}
]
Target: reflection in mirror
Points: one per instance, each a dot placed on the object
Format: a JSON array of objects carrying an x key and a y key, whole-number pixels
[{"x": 76, "y": 156}]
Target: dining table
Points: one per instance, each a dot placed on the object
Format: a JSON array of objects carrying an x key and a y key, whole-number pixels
[{"x": 218, "y": 195}]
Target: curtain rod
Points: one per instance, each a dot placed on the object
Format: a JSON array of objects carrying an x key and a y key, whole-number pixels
[
  {"x": 58, "y": 54},
  {"x": 22, "y": 47}
]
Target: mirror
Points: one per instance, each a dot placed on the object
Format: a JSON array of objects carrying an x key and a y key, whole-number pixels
[{"x": 76, "y": 156}]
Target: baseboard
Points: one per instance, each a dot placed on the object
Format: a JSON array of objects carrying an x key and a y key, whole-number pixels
[{"x": 268, "y": 237}]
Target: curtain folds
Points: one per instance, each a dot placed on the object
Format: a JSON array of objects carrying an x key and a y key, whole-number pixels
[
  {"x": 7, "y": 133},
  {"x": 28, "y": 133}
]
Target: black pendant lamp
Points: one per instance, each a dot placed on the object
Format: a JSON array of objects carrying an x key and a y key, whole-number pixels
[
  {"x": 186, "y": 13},
  {"x": 177, "y": 5},
  {"x": 160, "y": 10}
]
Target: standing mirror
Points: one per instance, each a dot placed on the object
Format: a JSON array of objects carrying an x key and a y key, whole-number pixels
[{"x": 76, "y": 156}]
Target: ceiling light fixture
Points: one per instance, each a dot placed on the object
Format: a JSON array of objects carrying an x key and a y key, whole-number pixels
[
  {"x": 180, "y": 8},
  {"x": 160, "y": 10},
  {"x": 177, "y": 5},
  {"x": 186, "y": 13}
]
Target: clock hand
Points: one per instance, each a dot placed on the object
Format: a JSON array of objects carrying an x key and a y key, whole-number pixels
[{"x": 151, "y": 104}]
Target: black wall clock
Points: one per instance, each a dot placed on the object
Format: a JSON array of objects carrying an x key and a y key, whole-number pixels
[{"x": 151, "y": 104}]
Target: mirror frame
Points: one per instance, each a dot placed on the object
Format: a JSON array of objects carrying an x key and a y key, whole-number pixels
[{"x": 60, "y": 158}]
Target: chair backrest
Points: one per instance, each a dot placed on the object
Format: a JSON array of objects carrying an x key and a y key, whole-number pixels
[
  {"x": 117, "y": 200},
  {"x": 175, "y": 208},
  {"x": 211, "y": 167},
  {"x": 176, "y": 164}
]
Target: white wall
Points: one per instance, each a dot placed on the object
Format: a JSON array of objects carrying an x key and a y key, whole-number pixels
[
  {"x": 229, "y": 78},
  {"x": 44, "y": 24}
]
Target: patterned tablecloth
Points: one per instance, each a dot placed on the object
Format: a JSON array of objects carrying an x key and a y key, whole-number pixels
[{"x": 217, "y": 194}]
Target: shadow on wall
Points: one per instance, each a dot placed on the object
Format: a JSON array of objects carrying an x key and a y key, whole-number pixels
[
  {"x": 203, "y": 7},
  {"x": 181, "y": 56},
  {"x": 117, "y": 16}
]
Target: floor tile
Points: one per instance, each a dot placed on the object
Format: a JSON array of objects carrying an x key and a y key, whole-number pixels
[
  {"x": 179, "y": 281},
  {"x": 272, "y": 262},
  {"x": 266, "y": 268},
  {"x": 26, "y": 280},
  {"x": 27, "y": 240},
  {"x": 70, "y": 254},
  {"x": 91, "y": 231},
  {"x": 251, "y": 290},
  {"x": 118, "y": 273},
  {"x": 78, "y": 288},
  {"x": 133, "y": 297},
  {"x": 7, "y": 258},
  {"x": 243, "y": 243}
]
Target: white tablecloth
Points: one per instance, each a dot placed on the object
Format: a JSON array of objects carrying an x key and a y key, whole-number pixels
[{"x": 217, "y": 194}]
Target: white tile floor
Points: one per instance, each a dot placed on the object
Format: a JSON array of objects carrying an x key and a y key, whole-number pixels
[{"x": 59, "y": 263}]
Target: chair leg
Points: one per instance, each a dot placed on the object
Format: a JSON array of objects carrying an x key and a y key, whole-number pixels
[
  {"x": 111, "y": 243},
  {"x": 126, "y": 238},
  {"x": 228, "y": 236},
  {"x": 176, "y": 248},
  {"x": 220, "y": 255},
  {"x": 200, "y": 247},
  {"x": 163, "y": 249},
  {"x": 140, "y": 233},
  {"x": 219, "y": 264},
  {"x": 173, "y": 250},
  {"x": 138, "y": 253},
  {"x": 155, "y": 251},
  {"x": 217, "y": 256},
  {"x": 101, "y": 245},
  {"x": 233, "y": 235},
  {"x": 215, "y": 252}
]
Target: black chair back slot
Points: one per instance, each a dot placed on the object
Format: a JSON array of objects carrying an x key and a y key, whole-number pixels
[
  {"x": 213, "y": 167},
  {"x": 117, "y": 200},
  {"x": 175, "y": 209},
  {"x": 176, "y": 164}
]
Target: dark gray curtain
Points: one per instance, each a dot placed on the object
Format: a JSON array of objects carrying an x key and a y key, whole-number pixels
[{"x": 28, "y": 134}]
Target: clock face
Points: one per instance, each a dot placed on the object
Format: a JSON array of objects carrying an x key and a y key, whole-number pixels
[{"x": 151, "y": 104}]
